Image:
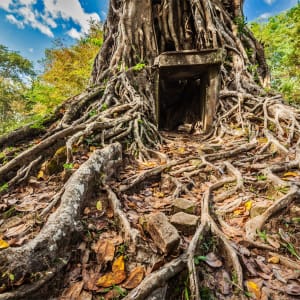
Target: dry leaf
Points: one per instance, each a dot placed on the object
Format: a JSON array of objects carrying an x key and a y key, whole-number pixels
[
  {"x": 73, "y": 291},
  {"x": 213, "y": 261},
  {"x": 18, "y": 230},
  {"x": 119, "y": 264},
  {"x": 105, "y": 251},
  {"x": 40, "y": 175},
  {"x": 99, "y": 205},
  {"x": 254, "y": 289},
  {"x": 274, "y": 260},
  {"x": 159, "y": 195},
  {"x": 85, "y": 296},
  {"x": 290, "y": 174},
  {"x": 117, "y": 275},
  {"x": 135, "y": 278},
  {"x": 3, "y": 244},
  {"x": 248, "y": 205},
  {"x": 293, "y": 289}
]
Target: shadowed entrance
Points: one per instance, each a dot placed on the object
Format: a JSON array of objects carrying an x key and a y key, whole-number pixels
[{"x": 187, "y": 87}]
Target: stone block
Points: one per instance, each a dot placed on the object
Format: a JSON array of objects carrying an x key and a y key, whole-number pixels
[
  {"x": 164, "y": 234},
  {"x": 184, "y": 205},
  {"x": 185, "y": 223}
]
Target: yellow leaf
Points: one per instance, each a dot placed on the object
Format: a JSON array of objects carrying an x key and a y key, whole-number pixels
[
  {"x": 159, "y": 195},
  {"x": 254, "y": 288},
  {"x": 117, "y": 275},
  {"x": 238, "y": 212},
  {"x": 149, "y": 164},
  {"x": 274, "y": 260},
  {"x": 181, "y": 150},
  {"x": 248, "y": 205},
  {"x": 111, "y": 279},
  {"x": 119, "y": 264},
  {"x": 92, "y": 148},
  {"x": 290, "y": 174},
  {"x": 40, "y": 174},
  {"x": 3, "y": 244},
  {"x": 135, "y": 278},
  {"x": 99, "y": 205},
  {"x": 262, "y": 140}
]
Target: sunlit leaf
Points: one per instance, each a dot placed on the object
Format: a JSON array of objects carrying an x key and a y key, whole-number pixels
[
  {"x": 99, "y": 205},
  {"x": 248, "y": 205},
  {"x": 3, "y": 244},
  {"x": 254, "y": 289},
  {"x": 274, "y": 260},
  {"x": 135, "y": 278}
]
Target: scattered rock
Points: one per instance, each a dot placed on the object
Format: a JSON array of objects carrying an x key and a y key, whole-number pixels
[
  {"x": 185, "y": 223},
  {"x": 187, "y": 128},
  {"x": 164, "y": 235},
  {"x": 184, "y": 205},
  {"x": 259, "y": 208}
]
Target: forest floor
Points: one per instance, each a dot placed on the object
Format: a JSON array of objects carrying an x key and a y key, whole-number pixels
[{"x": 220, "y": 194}]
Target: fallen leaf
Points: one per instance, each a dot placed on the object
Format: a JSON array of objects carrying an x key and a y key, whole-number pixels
[
  {"x": 105, "y": 251},
  {"x": 274, "y": 260},
  {"x": 3, "y": 244},
  {"x": 159, "y": 195},
  {"x": 238, "y": 212},
  {"x": 248, "y": 205},
  {"x": 73, "y": 291},
  {"x": 212, "y": 260},
  {"x": 253, "y": 288},
  {"x": 85, "y": 296},
  {"x": 18, "y": 230},
  {"x": 117, "y": 275},
  {"x": 290, "y": 174},
  {"x": 135, "y": 278},
  {"x": 99, "y": 205},
  {"x": 293, "y": 289},
  {"x": 119, "y": 264}
]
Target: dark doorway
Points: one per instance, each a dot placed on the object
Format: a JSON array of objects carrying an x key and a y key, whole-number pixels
[
  {"x": 180, "y": 101},
  {"x": 187, "y": 88}
]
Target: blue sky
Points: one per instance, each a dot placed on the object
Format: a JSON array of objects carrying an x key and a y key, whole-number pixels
[{"x": 30, "y": 26}]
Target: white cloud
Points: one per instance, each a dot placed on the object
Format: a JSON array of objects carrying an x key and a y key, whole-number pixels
[
  {"x": 5, "y": 4},
  {"x": 70, "y": 10},
  {"x": 270, "y": 2},
  {"x": 13, "y": 20},
  {"x": 31, "y": 50},
  {"x": 74, "y": 33},
  {"x": 265, "y": 16},
  {"x": 23, "y": 12}
]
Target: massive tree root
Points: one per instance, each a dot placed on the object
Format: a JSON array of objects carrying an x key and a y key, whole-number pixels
[{"x": 49, "y": 185}]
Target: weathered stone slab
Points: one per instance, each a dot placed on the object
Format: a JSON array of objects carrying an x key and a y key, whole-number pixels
[
  {"x": 164, "y": 234},
  {"x": 184, "y": 205},
  {"x": 185, "y": 223}
]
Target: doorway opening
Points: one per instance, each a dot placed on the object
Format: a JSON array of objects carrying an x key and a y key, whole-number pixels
[{"x": 187, "y": 88}]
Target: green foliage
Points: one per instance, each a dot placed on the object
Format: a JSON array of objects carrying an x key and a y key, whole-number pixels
[
  {"x": 68, "y": 166},
  {"x": 281, "y": 39},
  {"x": 15, "y": 74},
  {"x": 198, "y": 259},
  {"x": 241, "y": 23},
  {"x": 3, "y": 187},
  {"x": 68, "y": 69},
  {"x": 138, "y": 67},
  {"x": 25, "y": 98}
]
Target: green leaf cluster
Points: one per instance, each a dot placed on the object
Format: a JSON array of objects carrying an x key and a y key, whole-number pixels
[{"x": 280, "y": 36}]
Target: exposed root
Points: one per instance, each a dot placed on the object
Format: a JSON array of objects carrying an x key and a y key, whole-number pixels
[{"x": 55, "y": 238}]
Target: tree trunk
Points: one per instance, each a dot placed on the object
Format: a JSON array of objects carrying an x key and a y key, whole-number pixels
[{"x": 255, "y": 134}]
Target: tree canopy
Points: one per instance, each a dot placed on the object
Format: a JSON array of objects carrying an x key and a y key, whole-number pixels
[{"x": 280, "y": 36}]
